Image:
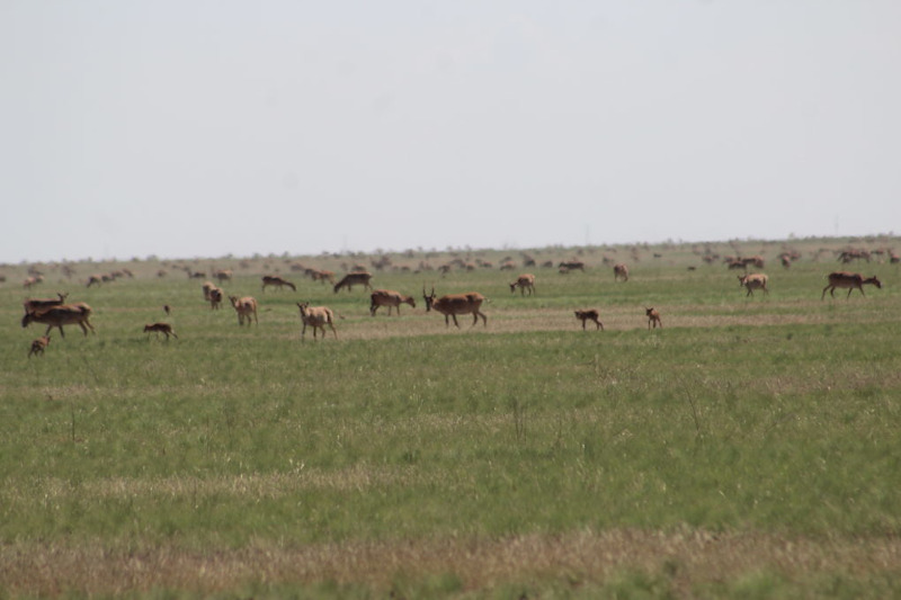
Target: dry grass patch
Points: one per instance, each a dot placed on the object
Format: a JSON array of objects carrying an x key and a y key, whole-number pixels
[{"x": 687, "y": 560}]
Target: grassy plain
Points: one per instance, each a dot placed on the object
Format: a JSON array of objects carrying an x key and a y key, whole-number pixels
[{"x": 748, "y": 449}]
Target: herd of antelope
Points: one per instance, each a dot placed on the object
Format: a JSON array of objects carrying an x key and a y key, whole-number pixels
[{"x": 57, "y": 312}]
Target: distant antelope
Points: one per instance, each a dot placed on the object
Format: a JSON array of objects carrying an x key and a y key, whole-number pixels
[
  {"x": 852, "y": 281},
  {"x": 590, "y": 315},
  {"x": 167, "y": 309},
  {"x": 95, "y": 280},
  {"x": 572, "y": 265},
  {"x": 39, "y": 345},
  {"x": 159, "y": 328},
  {"x": 246, "y": 308},
  {"x": 206, "y": 287},
  {"x": 620, "y": 271},
  {"x": 215, "y": 297},
  {"x": 352, "y": 279},
  {"x": 277, "y": 282},
  {"x": 653, "y": 318},
  {"x": 389, "y": 298},
  {"x": 524, "y": 282},
  {"x": 755, "y": 281},
  {"x": 316, "y": 317},
  {"x": 223, "y": 275},
  {"x": 57, "y": 316},
  {"x": 452, "y": 305}
]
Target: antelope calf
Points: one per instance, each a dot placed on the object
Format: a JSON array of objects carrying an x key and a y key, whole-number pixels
[
  {"x": 316, "y": 317},
  {"x": 653, "y": 318},
  {"x": 39, "y": 345},
  {"x": 246, "y": 308},
  {"x": 524, "y": 282},
  {"x": 852, "y": 281},
  {"x": 159, "y": 328},
  {"x": 755, "y": 281},
  {"x": 620, "y": 271},
  {"x": 389, "y": 298},
  {"x": 590, "y": 315}
]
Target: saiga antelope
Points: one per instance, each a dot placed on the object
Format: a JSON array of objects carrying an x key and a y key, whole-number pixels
[
  {"x": 352, "y": 279},
  {"x": 452, "y": 305},
  {"x": 159, "y": 328},
  {"x": 39, "y": 345},
  {"x": 524, "y": 282},
  {"x": 245, "y": 307},
  {"x": 590, "y": 315},
  {"x": 389, "y": 298},
  {"x": 852, "y": 281},
  {"x": 755, "y": 281},
  {"x": 316, "y": 317},
  {"x": 57, "y": 316}
]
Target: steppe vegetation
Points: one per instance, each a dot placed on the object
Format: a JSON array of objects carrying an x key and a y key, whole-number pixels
[{"x": 748, "y": 449}]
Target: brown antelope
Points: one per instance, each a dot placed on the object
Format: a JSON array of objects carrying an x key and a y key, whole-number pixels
[
  {"x": 223, "y": 275},
  {"x": 590, "y": 315},
  {"x": 278, "y": 282},
  {"x": 755, "y": 281},
  {"x": 207, "y": 287},
  {"x": 391, "y": 299},
  {"x": 32, "y": 281},
  {"x": 159, "y": 328},
  {"x": 215, "y": 297},
  {"x": 620, "y": 271},
  {"x": 323, "y": 276},
  {"x": 167, "y": 309},
  {"x": 57, "y": 316},
  {"x": 524, "y": 282},
  {"x": 653, "y": 318},
  {"x": 246, "y": 308},
  {"x": 572, "y": 265},
  {"x": 352, "y": 279},
  {"x": 852, "y": 281},
  {"x": 95, "y": 280},
  {"x": 316, "y": 317},
  {"x": 33, "y": 304},
  {"x": 452, "y": 305},
  {"x": 39, "y": 345}
]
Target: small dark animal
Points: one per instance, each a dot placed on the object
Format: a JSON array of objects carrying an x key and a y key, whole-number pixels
[{"x": 590, "y": 315}]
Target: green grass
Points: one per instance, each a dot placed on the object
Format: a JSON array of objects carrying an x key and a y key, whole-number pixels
[{"x": 746, "y": 418}]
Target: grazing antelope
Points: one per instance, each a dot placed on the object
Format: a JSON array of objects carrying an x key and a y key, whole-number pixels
[
  {"x": 620, "y": 271},
  {"x": 452, "y": 305},
  {"x": 33, "y": 304},
  {"x": 223, "y": 275},
  {"x": 352, "y": 279},
  {"x": 572, "y": 265},
  {"x": 215, "y": 297},
  {"x": 653, "y": 317},
  {"x": 852, "y": 281},
  {"x": 95, "y": 280},
  {"x": 32, "y": 281},
  {"x": 161, "y": 328},
  {"x": 755, "y": 281},
  {"x": 524, "y": 282},
  {"x": 590, "y": 315},
  {"x": 391, "y": 299},
  {"x": 320, "y": 275},
  {"x": 278, "y": 282},
  {"x": 39, "y": 345},
  {"x": 57, "y": 316},
  {"x": 245, "y": 307},
  {"x": 316, "y": 317}
]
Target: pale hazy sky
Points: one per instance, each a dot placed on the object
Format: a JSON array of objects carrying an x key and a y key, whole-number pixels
[{"x": 183, "y": 128}]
